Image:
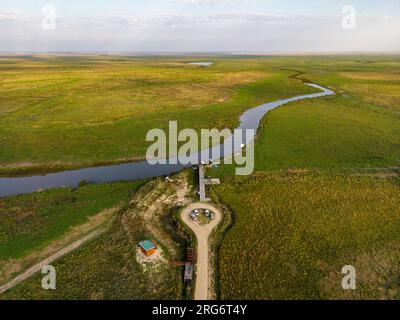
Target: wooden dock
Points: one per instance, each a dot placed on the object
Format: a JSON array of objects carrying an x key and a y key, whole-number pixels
[
  {"x": 203, "y": 182},
  {"x": 202, "y": 185}
]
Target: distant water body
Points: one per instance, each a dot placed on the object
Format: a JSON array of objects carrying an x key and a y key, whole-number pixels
[
  {"x": 142, "y": 169},
  {"x": 203, "y": 64}
]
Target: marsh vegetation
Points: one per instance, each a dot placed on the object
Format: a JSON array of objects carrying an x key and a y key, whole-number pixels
[{"x": 325, "y": 192}]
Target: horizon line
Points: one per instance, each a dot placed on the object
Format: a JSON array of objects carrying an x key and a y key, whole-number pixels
[{"x": 207, "y": 53}]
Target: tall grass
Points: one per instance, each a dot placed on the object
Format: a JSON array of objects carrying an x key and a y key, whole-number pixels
[
  {"x": 30, "y": 222},
  {"x": 294, "y": 232}
]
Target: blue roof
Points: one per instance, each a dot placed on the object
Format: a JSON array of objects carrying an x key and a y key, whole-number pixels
[{"x": 147, "y": 245}]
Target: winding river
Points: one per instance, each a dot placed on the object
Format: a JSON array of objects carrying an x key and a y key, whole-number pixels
[{"x": 138, "y": 170}]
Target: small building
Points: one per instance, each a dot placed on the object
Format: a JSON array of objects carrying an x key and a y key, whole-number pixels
[{"x": 147, "y": 247}]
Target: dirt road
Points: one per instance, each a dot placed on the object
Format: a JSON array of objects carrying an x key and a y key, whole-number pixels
[
  {"x": 38, "y": 267},
  {"x": 202, "y": 233}
]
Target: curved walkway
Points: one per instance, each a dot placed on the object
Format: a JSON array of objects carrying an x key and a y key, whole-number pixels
[{"x": 202, "y": 232}]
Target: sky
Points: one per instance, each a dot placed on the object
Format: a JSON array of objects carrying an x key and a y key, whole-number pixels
[{"x": 259, "y": 26}]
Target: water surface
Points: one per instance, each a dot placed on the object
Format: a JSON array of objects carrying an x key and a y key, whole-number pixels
[
  {"x": 142, "y": 169},
  {"x": 203, "y": 64}
]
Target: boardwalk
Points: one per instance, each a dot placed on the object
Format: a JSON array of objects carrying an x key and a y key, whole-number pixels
[
  {"x": 203, "y": 182},
  {"x": 202, "y": 185}
]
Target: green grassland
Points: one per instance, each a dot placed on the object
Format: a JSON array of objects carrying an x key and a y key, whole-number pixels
[
  {"x": 30, "y": 222},
  {"x": 294, "y": 232},
  {"x": 331, "y": 134},
  {"x": 325, "y": 192},
  {"x": 65, "y": 112},
  {"x": 108, "y": 268},
  {"x": 357, "y": 128}
]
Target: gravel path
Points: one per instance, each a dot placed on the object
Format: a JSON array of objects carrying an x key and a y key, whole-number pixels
[{"x": 202, "y": 233}]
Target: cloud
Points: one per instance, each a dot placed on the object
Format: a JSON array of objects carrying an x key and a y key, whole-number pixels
[
  {"x": 265, "y": 18},
  {"x": 184, "y": 20},
  {"x": 212, "y": 2},
  {"x": 14, "y": 17},
  {"x": 19, "y": 19},
  {"x": 225, "y": 19},
  {"x": 205, "y": 32}
]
